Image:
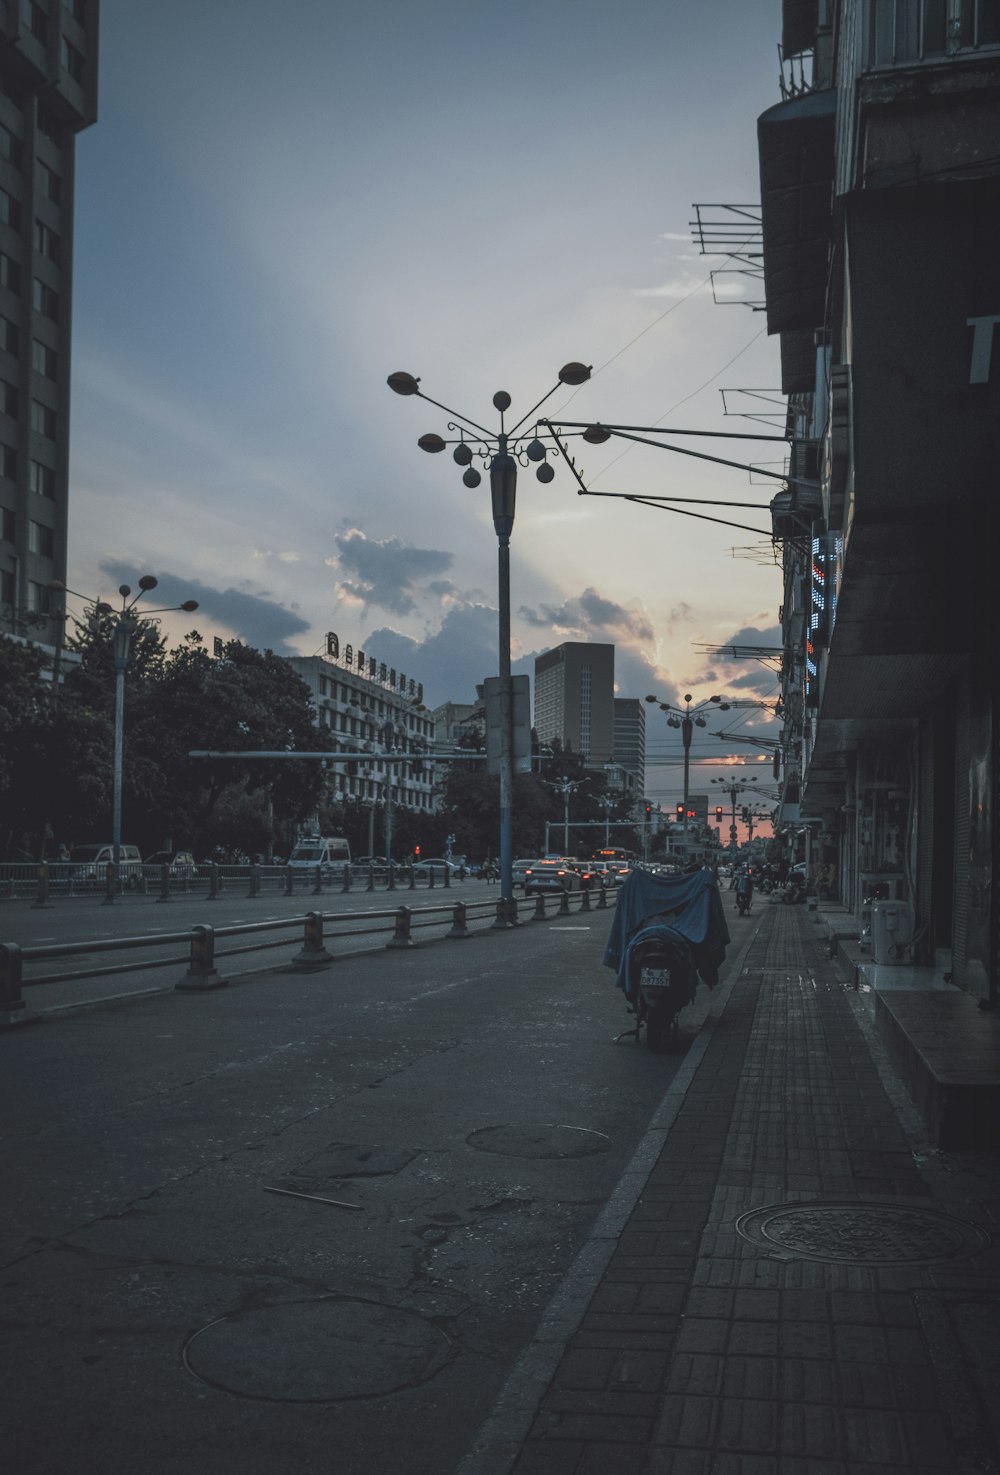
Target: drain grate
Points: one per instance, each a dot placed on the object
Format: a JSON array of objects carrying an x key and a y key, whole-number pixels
[{"x": 861, "y": 1233}]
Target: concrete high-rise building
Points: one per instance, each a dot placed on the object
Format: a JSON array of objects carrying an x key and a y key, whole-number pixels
[
  {"x": 574, "y": 699},
  {"x": 48, "y": 93},
  {"x": 630, "y": 740}
]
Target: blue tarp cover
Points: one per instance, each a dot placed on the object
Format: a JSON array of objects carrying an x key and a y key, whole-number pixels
[{"x": 688, "y": 907}]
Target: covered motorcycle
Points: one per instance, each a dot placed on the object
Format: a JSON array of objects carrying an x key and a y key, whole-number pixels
[{"x": 667, "y": 932}]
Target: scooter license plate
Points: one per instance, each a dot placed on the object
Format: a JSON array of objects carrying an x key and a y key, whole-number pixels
[{"x": 655, "y": 977}]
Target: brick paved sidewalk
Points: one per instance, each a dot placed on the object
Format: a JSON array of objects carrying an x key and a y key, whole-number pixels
[{"x": 860, "y": 1334}]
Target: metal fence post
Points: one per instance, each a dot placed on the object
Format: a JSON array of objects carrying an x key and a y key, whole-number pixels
[
  {"x": 585, "y": 900},
  {"x": 413, "y": 877},
  {"x": 447, "y": 876},
  {"x": 42, "y": 894},
  {"x": 346, "y": 878},
  {"x": 289, "y": 880},
  {"x": 164, "y": 883},
  {"x": 539, "y": 915},
  {"x": 391, "y": 883},
  {"x": 213, "y": 881},
  {"x": 564, "y": 903},
  {"x": 12, "y": 1006},
  {"x": 110, "y": 881},
  {"x": 202, "y": 973},
  {"x": 371, "y": 877},
  {"x": 318, "y": 881},
  {"x": 254, "y": 880},
  {"x": 430, "y": 877},
  {"x": 313, "y": 953},
  {"x": 458, "y": 925},
  {"x": 401, "y": 936},
  {"x": 602, "y": 898}
]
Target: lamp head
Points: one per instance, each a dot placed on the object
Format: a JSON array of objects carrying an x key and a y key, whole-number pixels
[
  {"x": 403, "y": 383},
  {"x": 148, "y": 582},
  {"x": 574, "y": 374}
]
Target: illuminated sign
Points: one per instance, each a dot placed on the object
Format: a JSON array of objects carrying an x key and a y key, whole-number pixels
[{"x": 375, "y": 670}]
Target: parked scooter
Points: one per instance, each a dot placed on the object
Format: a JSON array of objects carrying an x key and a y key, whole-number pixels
[{"x": 667, "y": 932}]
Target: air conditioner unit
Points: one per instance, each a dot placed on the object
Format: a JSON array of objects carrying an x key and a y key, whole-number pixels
[{"x": 892, "y": 931}]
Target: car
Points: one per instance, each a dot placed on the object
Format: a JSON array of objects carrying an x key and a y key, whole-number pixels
[
  {"x": 551, "y": 875},
  {"x": 436, "y": 864},
  {"x": 604, "y": 874},
  {"x": 90, "y": 863},
  {"x": 519, "y": 869},
  {"x": 181, "y": 862}
]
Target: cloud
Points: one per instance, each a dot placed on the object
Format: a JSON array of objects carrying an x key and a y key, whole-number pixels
[
  {"x": 253, "y": 617},
  {"x": 452, "y": 660},
  {"x": 388, "y": 572},
  {"x": 589, "y": 616}
]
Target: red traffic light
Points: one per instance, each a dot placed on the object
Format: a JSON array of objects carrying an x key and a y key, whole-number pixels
[
  {"x": 680, "y": 811},
  {"x": 416, "y": 851},
  {"x": 718, "y": 812}
]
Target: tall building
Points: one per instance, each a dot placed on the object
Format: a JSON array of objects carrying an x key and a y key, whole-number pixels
[
  {"x": 48, "y": 93},
  {"x": 630, "y": 740},
  {"x": 574, "y": 699}
]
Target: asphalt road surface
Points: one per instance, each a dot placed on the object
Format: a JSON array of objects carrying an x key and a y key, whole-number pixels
[{"x": 307, "y": 1223}]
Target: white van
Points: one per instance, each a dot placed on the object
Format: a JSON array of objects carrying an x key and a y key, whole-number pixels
[
  {"x": 90, "y": 863},
  {"x": 331, "y": 853}
]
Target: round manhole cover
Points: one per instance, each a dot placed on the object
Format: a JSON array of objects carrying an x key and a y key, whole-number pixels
[
  {"x": 317, "y": 1351},
  {"x": 861, "y": 1233},
  {"x": 544, "y": 1140}
]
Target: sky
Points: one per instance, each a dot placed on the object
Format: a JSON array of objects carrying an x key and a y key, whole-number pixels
[{"x": 280, "y": 206}]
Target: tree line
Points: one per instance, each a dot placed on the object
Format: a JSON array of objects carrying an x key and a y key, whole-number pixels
[{"x": 57, "y": 760}]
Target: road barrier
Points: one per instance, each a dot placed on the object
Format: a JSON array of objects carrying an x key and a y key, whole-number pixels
[{"x": 200, "y": 960}]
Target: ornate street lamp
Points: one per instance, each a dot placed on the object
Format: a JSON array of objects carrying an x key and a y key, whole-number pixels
[
  {"x": 500, "y": 452},
  {"x": 687, "y": 720},
  {"x": 733, "y": 787}
]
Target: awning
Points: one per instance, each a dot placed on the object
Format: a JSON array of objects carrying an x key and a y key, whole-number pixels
[{"x": 796, "y": 145}]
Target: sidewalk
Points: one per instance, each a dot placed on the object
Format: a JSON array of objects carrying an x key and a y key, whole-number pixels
[{"x": 805, "y": 1285}]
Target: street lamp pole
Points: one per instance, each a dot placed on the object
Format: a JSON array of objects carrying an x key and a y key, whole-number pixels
[
  {"x": 125, "y": 623},
  {"x": 687, "y": 720},
  {"x": 501, "y": 452},
  {"x": 732, "y": 788}
]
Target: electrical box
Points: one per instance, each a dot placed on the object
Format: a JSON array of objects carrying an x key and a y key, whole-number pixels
[{"x": 892, "y": 931}]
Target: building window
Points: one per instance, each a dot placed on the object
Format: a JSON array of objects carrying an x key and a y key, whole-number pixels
[
  {"x": 47, "y": 241},
  {"x": 72, "y": 60},
  {"x": 8, "y": 525},
  {"x": 39, "y": 599},
  {"x": 10, "y": 272},
  {"x": 902, "y": 32},
  {"x": 77, "y": 9},
  {"x": 10, "y": 147},
  {"x": 8, "y": 398},
  {"x": 6, "y": 587},
  {"x": 51, "y": 183},
  {"x": 43, "y": 419},
  {"x": 48, "y": 124},
  {"x": 8, "y": 462},
  {"x": 44, "y": 300},
  {"x": 10, "y": 338},
  {"x": 35, "y": 19},
  {"x": 10, "y": 210},
  {"x": 44, "y": 360},
  {"x": 41, "y": 539},
  {"x": 42, "y": 480}
]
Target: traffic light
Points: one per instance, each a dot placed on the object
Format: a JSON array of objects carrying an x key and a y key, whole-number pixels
[
  {"x": 718, "y": 814},
  {"x": 680, "y": 811},
  {"x": 416, "y": 851},
  {"x": 649, "y": 810}
]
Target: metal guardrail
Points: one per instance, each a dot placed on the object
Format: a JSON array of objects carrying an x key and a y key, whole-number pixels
[
  {"x": 201, "y": 970},
  {"x": 47, "y": 881}
]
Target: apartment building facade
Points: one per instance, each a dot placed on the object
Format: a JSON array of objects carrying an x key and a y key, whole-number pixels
[
  {"x": 372, "y": 712},
  {"x": 48, "y": 94},
  {"x": 574, "y": 699},
  {"x": 880, "y": 199}
]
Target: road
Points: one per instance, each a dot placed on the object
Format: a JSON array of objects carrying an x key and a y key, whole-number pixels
[{"x": 463, "y": 1106}]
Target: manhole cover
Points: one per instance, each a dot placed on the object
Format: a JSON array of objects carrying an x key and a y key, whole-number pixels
[
  {"x": 861, "y": 1233},
  {"x": 544, "y": 1140},
  {"x": 317, "y": 1351}
]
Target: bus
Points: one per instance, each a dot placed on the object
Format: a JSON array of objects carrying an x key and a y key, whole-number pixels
[{"x": 615, "y": 858}]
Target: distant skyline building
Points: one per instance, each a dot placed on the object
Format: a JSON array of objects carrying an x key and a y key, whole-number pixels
[
  {"x": 630, "y": 739},
  {"x": 48, "y": 94},
  {"x": 574, "y": 699}
]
